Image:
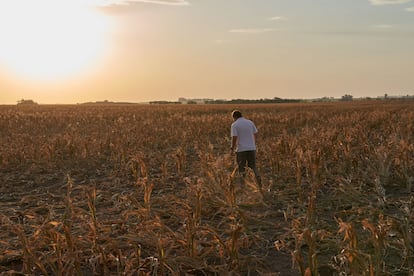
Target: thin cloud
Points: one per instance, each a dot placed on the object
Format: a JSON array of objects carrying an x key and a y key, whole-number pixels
[
  {"x": 252, "y": 30},
  {"x": 277, "y": 18},
  {"x": 383, "y": 31},
  {"x": 159, "y": 2},
  {"x": 387, "y": 2},
  {"x": 410, "y": 9},
  {"x": 383, "y": 26},
  {"x": 221, "y": 41}
]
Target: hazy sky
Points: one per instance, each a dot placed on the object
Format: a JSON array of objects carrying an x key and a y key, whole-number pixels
[{"x": 69, "y": 52}]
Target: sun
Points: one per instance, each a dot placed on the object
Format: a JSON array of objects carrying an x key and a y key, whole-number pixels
[{"x": 50, "y": 39}]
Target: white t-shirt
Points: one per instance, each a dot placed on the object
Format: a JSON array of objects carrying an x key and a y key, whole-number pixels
[{"x": 244, "y": 129}]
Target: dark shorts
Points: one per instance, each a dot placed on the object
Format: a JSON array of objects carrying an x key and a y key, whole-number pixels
[{"x": 246, "y": 158}]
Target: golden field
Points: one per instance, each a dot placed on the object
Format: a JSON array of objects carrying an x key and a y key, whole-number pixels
[{"x": 152, "y": 190}]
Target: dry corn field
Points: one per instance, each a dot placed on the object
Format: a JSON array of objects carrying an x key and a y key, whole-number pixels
[{"x": 152, "y": 190}]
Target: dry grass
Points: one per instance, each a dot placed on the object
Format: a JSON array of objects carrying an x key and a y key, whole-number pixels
[{"x": 152, "y": 190}]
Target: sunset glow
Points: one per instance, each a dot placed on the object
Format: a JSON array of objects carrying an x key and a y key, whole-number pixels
[{"x": 48, "y": 40}]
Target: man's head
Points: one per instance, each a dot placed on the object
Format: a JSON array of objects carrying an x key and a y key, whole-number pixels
[{"x": 236, "y": 114}]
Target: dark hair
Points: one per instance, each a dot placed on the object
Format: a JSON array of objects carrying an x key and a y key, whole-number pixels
[{"x": 236, "y": 114}]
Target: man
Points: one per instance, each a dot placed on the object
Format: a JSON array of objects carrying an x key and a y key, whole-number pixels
[{"x": 243, "y": 141}]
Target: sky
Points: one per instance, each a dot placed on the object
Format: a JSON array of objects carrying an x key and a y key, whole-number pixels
[{"x": 74, "y": 51}]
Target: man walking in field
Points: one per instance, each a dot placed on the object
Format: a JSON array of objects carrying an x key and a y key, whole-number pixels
[{"x": 243, "y": 141}]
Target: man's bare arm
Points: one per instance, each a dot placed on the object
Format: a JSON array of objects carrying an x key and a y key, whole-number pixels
[{"x": 233, "y": 143}]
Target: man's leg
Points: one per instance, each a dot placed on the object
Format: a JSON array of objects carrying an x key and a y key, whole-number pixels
[
  {"x": 241, "y": 162},
  {"x": 251, "y": 163}
]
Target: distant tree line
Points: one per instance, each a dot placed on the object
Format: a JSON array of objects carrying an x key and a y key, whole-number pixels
[
  {"x": 26, "y": 102},
  {"x": 105, "y": 102},
  {"x": 163, "y": 102},
  {"x": 233, "y": 101},
  {"x": 347, "y": 98},
  {"x": 245, "y": 101}
]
